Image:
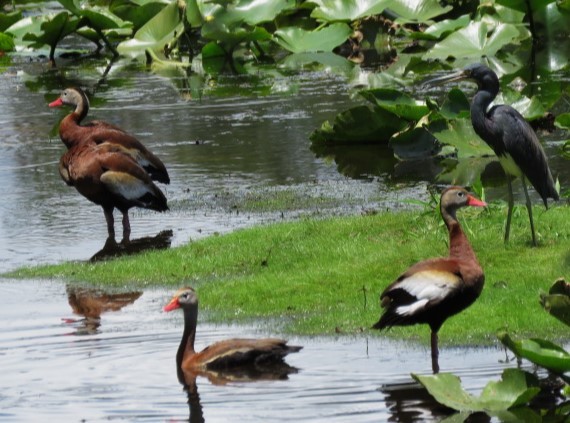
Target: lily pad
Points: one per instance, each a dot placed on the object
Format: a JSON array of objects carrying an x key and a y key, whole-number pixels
[
  {"x": 157, "y": 32},
  {"x": 557, "y": 301},
  {"x": 98, "y": 18},
  {"x": 348, "y": 10},
  {"x": 539, "y": 351},
  {"x": 53, "y": 30},
  {"x": 297, "y": 40},
  {"x": 472, "y": 41},
  {"x": 396, "y": 102},
  {"x": 456, "y": 105},
  {"x": 359, "y": 124},
  {"x": 138, "y": 12},
  {"x": 523, "y": 5},
  {"x": 415, "y": 143},
  {"x": 562, "y": 121},
  {"x": 6, "y": 42},
  {"x": 530, "y": 108},
  {"x": 441, "y": 29},
  {"x": 460, "y": 134},
  {"x": 254, "y": 12},
  {"x": 513, "y": 390},
  {"x": 418, "y": 10},
  {"x": 8, "y": 19}
]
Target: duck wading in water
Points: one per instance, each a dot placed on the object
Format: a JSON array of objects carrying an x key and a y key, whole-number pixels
[
  {"x": 106, "y": 165},
  {"x": 433, "y": 290}
]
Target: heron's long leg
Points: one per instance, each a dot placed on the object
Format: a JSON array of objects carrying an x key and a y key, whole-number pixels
[
  {"x": 434, "y": 353},
  {"x": 511, "y": 203},
  {"x": 529, "y": 208}
]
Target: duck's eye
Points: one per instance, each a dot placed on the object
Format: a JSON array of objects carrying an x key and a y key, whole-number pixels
[{"x": 461, "y": 194}]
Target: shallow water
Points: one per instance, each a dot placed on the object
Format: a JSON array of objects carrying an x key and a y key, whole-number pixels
[{"x": 58, "y": 367}]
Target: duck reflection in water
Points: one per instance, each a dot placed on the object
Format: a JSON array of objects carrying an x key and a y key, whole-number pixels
[
  {"x": 91, "y": 303},
  {"x": 112, "y": 249},
  {"x": 224, "y": 362}
]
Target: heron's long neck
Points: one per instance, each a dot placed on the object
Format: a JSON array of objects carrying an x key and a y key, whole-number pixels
[
  {"x": 459, "y": 246},
  {"x": 479, "y": 119},
  {"x": 186, "y": 346}
]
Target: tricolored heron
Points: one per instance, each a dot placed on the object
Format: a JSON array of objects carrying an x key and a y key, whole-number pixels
[{"x": 510, "y": 136}]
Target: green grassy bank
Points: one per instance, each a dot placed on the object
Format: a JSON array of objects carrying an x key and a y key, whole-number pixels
[{"x": 324, "y": 276}]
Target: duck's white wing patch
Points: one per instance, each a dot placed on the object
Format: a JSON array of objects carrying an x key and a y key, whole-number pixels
[
  {"x": 124, "y": 184},
  {"x": 428, "y": 287}
]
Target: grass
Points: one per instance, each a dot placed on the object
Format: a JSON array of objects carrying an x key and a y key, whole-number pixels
[{"x": 324, "y": 276}]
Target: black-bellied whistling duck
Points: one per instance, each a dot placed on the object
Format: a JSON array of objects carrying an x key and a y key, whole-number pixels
[
  {"x": 107, "y": 166},
  {"x": 433, "y": 290},
  {"x": 228, "y": 355},
  {"x": 109, "y": 137}
]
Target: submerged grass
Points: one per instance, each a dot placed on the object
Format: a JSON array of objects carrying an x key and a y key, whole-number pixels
[{"x": 324, "y": 276}]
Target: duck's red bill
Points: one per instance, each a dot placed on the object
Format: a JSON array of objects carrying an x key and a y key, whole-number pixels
[
  {"x": 172, "y": 305},
  {"x": 56, "y": 103},
  {"x": 472, "y": 201}
]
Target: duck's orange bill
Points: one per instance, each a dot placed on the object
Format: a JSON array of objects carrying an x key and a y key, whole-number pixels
[
  {"x": 56, "y": 103},
  {"x": 172, "y": 305},
  {"x": 472, "y": 201}
]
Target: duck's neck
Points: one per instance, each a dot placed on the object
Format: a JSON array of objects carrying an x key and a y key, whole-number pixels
[
  {"x": 186, "y": 347},
  {"x": 70, "y": 126},
  {"x": 459, "y": 246}
]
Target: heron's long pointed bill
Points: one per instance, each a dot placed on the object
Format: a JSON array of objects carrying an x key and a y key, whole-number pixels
[
  {"x": 473, "y": 202},
  {"x": 172, "y": 305},
  {"x": 456, "y": 76}
]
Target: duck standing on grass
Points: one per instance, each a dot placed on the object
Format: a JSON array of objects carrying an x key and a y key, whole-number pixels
[{"x": 433, "y": 290}]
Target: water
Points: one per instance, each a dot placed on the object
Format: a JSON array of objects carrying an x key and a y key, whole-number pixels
[{"x": 57, "y": 366}]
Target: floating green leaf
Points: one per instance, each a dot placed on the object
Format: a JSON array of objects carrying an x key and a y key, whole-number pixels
[
  {"x": 52, "y": 31},
  {"x": 562, "y": 121},
  {"x": 441, "y": 29},
  {"x": 98, "y": 18},
  {"x": 530, "y": 108},
  {"x": 539, "y": 351},
  {"x": 6, "y": 42},
  {"x": 396, "y": 102},
  {"x": 138, "y": 12},
  {"x": 417, "y": 10},
  {"x": 523, "y": 5},
  {"x": 156, "y": 33},
  {"x": 297, "y": 40},
  {"x": 415, "y": 143},
  {"x": 254, "y": 12},
  {"x": 459, "y": 133},
  {"x": 348, "y": 10},
  {"x": 9, "y": 19},
  {"x": 472, "y": 41},
  {"x": 456, "y": 105},
  {"x": 515, "y": 389},
  {"x": 359, "y": 124}
]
